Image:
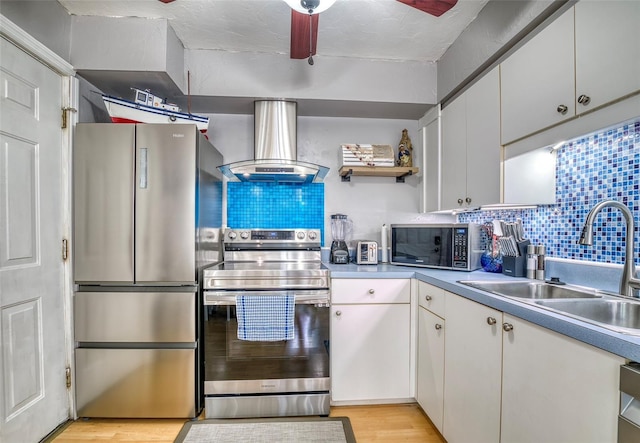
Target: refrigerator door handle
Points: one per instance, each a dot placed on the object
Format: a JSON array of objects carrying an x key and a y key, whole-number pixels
[{"x": 144, "y": 164}]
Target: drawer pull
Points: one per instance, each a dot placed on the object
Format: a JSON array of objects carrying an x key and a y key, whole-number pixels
[
  {"x": 338, "y": 313},
  {"x": 372, "y": 291},
  {"x": 428, "y": 298},
  {"x": 562, "y": 109},
  {"x": 507, "y": 327},
  {"x": 438, "y": 326},
  {"x": 491, "y": 321}
]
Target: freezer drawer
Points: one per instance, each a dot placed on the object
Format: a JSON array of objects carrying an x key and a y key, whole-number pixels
[
  {"x": 135, "y": 383},
  {"x": 135, "y": 317}
]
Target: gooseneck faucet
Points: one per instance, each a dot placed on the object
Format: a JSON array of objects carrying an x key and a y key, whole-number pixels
[{"x": 629, "y": 281}]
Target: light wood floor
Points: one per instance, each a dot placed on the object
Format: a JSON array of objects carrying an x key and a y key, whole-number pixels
[{"x": 380, "y": 423}]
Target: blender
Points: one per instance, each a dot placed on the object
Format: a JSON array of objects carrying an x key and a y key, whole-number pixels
[{"x": 339, "y": 227}]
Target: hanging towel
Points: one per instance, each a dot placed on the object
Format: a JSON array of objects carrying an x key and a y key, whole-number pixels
[{"x": 265, "y": 317}]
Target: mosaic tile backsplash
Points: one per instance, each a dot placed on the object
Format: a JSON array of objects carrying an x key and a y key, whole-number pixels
[
  {"x": 599, "y": 166},
  {"x": 275, "y": 206}
]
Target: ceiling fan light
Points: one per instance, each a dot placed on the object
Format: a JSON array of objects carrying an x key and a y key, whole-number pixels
[{"x": 316, "y": 6}]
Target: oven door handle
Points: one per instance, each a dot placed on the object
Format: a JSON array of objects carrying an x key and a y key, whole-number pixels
[{"x": 228, "y": 298}]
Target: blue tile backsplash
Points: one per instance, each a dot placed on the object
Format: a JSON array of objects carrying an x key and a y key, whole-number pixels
[
  {"x": 598, "y": 166},
  {"x": 275, "y": 206}
]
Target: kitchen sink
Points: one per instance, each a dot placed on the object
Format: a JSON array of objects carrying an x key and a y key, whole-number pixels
[
  {"x": 617, "y": 314},
  {"x": 533, "y": 290}
]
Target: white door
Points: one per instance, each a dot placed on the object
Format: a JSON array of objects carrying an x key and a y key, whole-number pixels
[{"x": 32, "y": 313}]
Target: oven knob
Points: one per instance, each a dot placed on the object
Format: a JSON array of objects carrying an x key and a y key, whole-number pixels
[
  {"x": 300, "y": 235},
  {"x": 231, "y": 235},
  {"x": 312, "y": 235},
  {"x": 244, "y": 235}
]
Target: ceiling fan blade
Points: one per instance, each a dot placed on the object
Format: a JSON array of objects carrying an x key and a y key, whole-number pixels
[
  {"x": 300, "y": 35},
  {"x": 433, "y": 7}
]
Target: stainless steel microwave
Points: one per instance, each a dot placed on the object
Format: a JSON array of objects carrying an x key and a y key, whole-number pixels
[{"x": 454, "y": 246}]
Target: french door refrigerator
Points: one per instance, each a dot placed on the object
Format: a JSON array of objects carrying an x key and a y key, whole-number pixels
[{"x": 147, "y": 209}]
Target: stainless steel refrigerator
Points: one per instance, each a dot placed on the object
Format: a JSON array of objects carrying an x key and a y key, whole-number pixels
[{"x": 147, "y": 210}]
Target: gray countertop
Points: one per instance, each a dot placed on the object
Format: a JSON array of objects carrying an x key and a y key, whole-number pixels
[{"x": 624, "y": 345}]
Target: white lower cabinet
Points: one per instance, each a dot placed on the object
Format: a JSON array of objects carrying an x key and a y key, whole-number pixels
[
  {"x": 557, "y": 389},
  {"x": 370, "y": 341},
  {"x": 430, "y": 377},
  {"x": 473, "y": 372},
  {"x": 510, "y": 381}
]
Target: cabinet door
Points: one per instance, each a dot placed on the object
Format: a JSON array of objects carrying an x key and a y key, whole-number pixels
[
  {"x": 430, "y": 390},
  {"x": 431, "y": 167},
  {"x": 537, "y": 79},
  {"x": 607, "y": 51},
  {"x": 370, "y": 352},
  {"x": 483, "y": 141},
  {"x": 556, "y": 388},
  {"x": 472, "y": 380},
  {"x": 454, "y": 154}
]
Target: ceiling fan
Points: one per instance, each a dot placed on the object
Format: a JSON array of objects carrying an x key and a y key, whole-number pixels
[{"x": 305, "y": 15}]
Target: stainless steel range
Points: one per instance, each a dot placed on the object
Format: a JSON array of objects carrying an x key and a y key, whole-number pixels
[{"x": 267, "y": 378}]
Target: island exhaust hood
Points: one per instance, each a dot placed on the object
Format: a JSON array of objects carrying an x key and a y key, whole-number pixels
[{"x": 275, "y": 149}]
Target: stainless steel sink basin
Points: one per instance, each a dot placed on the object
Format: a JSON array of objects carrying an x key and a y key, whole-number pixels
[
  {"x": 532, "y": 290},
  {"x": 613, "y": 313}
]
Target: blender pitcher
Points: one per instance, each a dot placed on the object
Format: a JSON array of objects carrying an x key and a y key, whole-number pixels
[{"x": 340, "y": 227}]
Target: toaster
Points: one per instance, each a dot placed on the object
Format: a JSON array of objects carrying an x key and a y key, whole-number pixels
[{"x": 367, "y": 253}]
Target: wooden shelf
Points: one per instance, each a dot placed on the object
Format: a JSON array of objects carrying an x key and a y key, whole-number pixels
[{"x": 399, "y": 172}]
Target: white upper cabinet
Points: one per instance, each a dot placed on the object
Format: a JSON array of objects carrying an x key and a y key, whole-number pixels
[
  {"x": 537, "y": 81},
  {"x": 470, "y": 168},
  {"x": 587, "y": 58},
  {"x": 607, "y": 52}
]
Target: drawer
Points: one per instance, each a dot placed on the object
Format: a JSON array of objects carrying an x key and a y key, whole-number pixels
[
  {"x": 370, "y": 290},
  {"x": 431, "y": 298}
]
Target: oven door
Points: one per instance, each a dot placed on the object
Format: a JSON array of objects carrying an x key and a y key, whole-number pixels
[
  {"x": 246, "y": 379},
  {"x": 234, "y": 366}
]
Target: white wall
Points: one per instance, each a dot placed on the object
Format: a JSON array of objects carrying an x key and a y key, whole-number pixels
[{"x": 368, "y": 201}]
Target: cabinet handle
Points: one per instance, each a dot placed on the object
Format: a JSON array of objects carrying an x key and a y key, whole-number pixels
[
  {"x": 338, "y": 313},
  {"x": 584, "y": 99},
  {"x": 506, "y": 327},
  {"x": 372, "y": 291},
  {"x": 491, "y": 321},
  {"x": 438, "y": 326},
  {"x": 428, "y": 298},
  {"x": 468, "y": 200},
  {"x": 460, "y": 201},
  {"x": 562, "y": 109}
]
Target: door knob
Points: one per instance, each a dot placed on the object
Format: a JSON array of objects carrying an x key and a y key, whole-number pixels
[
  {"x": 506, "y": 327},
  {"x": 468, "y": 200},
  {"x": 338, "y": 313},
  {"x": 491, "y": 321},
  {"x": 427, "y": 298},
  {"x": 562, "y": 109},
  {"x": 460, "y": 201}
]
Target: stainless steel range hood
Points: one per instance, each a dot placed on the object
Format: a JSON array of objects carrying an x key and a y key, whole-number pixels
[{"x": 275, "y": 149}]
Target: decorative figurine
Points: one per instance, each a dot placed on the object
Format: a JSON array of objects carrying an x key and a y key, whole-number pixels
[{"x": 405, "y": 150}]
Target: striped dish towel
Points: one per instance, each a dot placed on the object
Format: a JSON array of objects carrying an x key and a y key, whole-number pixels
[{"x": 265, "y": 317}]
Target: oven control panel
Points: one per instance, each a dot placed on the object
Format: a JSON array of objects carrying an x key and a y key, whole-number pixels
[{"x": 260, "y": 236}]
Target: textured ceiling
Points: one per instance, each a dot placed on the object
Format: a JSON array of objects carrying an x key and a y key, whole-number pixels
[{"x": 372, "y": 29}]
